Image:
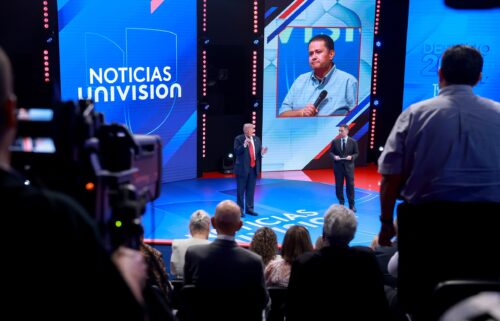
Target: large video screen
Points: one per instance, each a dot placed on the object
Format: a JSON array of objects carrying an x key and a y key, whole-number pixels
[
  {"x": 137, "y": 61},
  {"x": 433, "y": 27},
  {"x": 294, "y": 141}
]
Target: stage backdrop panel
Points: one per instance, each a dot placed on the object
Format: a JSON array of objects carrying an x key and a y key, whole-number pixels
[
  {"x": 137, "y": 61},
  {"x": 433, "y": 27},
  {"x": 294, "y": 142}
]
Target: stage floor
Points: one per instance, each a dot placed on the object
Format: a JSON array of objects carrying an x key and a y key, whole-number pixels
[{"x": 282, "y": 199}]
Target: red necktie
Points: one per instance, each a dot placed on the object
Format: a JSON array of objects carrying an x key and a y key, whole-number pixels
[{"x": 252, "y": 155}]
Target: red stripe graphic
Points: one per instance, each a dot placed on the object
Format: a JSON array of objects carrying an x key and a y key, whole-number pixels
[{"x": 291, "y": 9}]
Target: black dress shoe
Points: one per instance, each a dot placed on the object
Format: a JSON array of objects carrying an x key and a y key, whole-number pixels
[{"x": 253, "y": 213}]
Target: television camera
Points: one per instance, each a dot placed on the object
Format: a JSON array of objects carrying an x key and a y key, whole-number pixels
[{"x": 110, "y": 171}]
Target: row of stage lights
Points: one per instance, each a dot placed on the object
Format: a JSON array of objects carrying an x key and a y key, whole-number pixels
[
  {"x": 204, "y": 82},
  {"x": 254, "y": 58},
  {"x": 204, "y": 93},
  {"x": 204, "y": 21},
  {"x": 255, "y": 17},
  {"x": 46, "y": 58},
  {"x": 374, "y": 81}
]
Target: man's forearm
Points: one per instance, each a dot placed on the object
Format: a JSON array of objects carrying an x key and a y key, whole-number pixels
[
  {"x": 292, "y": 113},
  {"x": 389, "y": 191}
]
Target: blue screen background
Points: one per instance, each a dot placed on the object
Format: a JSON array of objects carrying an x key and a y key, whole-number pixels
[
  {"x": 129, "y": 33},
  {"x": 433, "y": 27}
]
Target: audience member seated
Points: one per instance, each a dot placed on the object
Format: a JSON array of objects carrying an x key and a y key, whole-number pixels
[
  {"x": 225, "y": 269},
  {"x": 199, "y": 228},
  {"x": 338, "y": 282},
  {"x": 157, "y": 271},
  {"x": 265, "y": 243},
  {"x": 384, "y": 254},
  {"x": 296, "y": 242},
  {"x": 319, "y": 243},
  {"x": 55, "y": 265}
]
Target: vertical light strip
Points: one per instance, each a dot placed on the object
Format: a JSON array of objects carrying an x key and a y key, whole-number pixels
[
  {"x": 375, "y": 71},
  {"x": 46, "y": 65},
  {"x": 254, "y": 73},
  {"x": 376, "y": 102},
  {"x": 204, "y": 20},
  {"x": 256, "y": 43},
  {"x": 255, "y": 17},
  {"x": 204, "y": 73},
  {"x": 377, "y": 17},
  {"x": 372, "y": 131},
  {"x": 46, "y": 14},
  {"x": 204, "y": 27},
  {"x": 45, "y": 56},
  {"x": 204, "y": 135}
]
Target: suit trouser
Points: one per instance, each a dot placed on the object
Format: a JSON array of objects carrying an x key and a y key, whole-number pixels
[
  {"x": 245, "y": 185},
  {"x": 343, "y": 172}
]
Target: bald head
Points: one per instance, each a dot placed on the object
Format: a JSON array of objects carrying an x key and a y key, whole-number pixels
[{"x": 227, "y": 218}]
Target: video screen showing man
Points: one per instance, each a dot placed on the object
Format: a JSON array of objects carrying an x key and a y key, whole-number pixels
[{"x": 325, "y": 90}]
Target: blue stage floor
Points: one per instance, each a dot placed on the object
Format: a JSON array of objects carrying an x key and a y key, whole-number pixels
[{"x": 279, "y": 202}]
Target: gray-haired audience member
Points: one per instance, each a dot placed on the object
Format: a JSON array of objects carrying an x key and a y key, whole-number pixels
[
  {"x": 349, "y": 275},
  {"x": 339, "y": 226},
  {"x": 199, "y": 228}
]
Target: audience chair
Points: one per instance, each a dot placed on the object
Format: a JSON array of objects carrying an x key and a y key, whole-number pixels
[
  {"x": 177, "y": 285},
  {"x": 448, "y": 293},
  {"x": 277, "y": 294},
  {"x": 201, "y": 304},
  {"x": 443, "y": 241}
]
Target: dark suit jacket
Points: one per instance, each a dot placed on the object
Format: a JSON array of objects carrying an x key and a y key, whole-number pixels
[
  {"x": 242, "y": 164},
  {"x": 224, "y": 264},
  {"x": 351, "y": 148},
  {"x": 336, "y": 283}
]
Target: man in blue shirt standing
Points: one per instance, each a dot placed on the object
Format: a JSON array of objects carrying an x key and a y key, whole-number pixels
[{"x": 342, "y": 87}]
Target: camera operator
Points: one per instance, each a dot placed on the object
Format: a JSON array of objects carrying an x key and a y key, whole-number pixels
[{"x": 54, "y": 264}]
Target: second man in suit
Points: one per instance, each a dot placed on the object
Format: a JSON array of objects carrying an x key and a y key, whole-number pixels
[
  {"x": 248, "y": 150},
  {"x": 344, "y": 152}
]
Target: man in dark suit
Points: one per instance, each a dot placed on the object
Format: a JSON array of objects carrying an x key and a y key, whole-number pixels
[
  {"x": 344, "y": 152},
  {"x": 248, "y": 150},
  {"x": 349, "y": 276},
  {"x": 222, "y": 266}
]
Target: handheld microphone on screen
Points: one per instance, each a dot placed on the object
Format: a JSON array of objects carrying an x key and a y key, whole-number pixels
[{"x": 321, "y": 96}]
